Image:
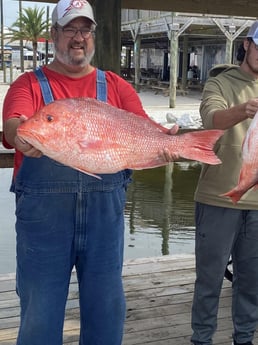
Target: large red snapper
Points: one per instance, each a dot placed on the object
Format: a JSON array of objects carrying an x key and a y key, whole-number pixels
[
  {"x": 95, "y": 137},
  {"x": 248, "y": 176}
]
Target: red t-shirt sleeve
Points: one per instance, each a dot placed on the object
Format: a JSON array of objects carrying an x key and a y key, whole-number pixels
[{"x": 22, "y": 98}]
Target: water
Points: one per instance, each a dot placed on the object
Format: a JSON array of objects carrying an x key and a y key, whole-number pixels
[
  {"x": 160, "y": 211},
  {"x": 159, "y": 214},
  {"x": 7, "y": 220}
]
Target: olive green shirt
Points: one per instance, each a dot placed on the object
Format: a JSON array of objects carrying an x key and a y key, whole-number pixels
[{"x": 227, "y": 86}]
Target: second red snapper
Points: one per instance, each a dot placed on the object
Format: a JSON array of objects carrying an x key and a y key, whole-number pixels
[
  {"x": 248, "y": 177},
  {"x": 97, "y": 138}
]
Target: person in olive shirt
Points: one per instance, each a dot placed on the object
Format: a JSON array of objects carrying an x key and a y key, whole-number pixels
[{"x": 230, "y": 101}]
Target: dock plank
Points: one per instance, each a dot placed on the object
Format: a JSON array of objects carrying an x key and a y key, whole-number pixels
[{"x": 159, "y": 294}]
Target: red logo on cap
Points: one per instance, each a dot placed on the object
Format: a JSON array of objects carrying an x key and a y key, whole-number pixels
[{"x": 77, "y": 4}]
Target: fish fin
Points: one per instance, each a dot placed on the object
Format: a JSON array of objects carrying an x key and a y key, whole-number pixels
[
  {"x": 247, "y": 142},
  {"x": 202, "y": 143},
  {"x": 93, "y": 145},
  {"x": 90, "y": 144},
  {"x": 237, "y": 192},
  {"x": 155, "y": 163},
  {"x": 164, "y": 129},
  {"x": 234, "y": 194},
  {"x": 87, "y": 172}
]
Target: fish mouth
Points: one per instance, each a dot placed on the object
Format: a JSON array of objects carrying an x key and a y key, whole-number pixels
[{"x": 29, "y": 134}]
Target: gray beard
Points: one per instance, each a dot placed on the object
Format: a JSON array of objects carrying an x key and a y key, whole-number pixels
[{"x": 68, "y": 60}]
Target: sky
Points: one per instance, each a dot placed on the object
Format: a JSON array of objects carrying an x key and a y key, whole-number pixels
[{"x": 11, "y": 9}]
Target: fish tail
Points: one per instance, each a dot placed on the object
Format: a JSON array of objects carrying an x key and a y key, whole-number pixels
[
  {"x": 243, "y": 185},
  {"x": 234, "y": 194},
  {"x": 201, "y": 146}
]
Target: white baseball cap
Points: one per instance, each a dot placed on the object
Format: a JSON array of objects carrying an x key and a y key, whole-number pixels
[
  {"x": 253, "y": 32},
  {"x": 67, "y": 10}
]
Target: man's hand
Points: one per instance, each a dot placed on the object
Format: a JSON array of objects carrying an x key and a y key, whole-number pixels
[
  {"x": 168, "y": 156},
  {"x": 10, "y": 131},
  {"x": 251, "y": 107},
  {"x": 26, "y": 148}
]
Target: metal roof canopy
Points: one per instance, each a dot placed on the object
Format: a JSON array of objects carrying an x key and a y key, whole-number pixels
[{"x": 243, "y": 8}]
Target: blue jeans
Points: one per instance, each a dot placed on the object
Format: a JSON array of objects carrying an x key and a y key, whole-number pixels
[
  {"x": 221, "y": 232},
  {"x": 67, "y": 219}
]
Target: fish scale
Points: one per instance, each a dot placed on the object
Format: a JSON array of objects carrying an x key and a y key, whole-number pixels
[
  {"x": 98, "y": 138},
  {"x": 248, "y": 176}
]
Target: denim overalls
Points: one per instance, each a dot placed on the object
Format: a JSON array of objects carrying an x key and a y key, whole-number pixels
[{"x": 68, "y": 219}]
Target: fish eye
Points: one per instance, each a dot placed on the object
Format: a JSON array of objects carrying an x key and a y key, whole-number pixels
[{"x": 50, "y": 118}]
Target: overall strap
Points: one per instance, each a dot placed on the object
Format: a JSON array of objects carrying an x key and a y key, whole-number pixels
[
  {"x": 101, "y": 86},
  {"x": 44, "y": 85},
  {"x": 47, "y": 93}
]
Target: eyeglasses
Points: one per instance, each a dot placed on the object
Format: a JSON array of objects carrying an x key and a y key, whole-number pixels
[{"x": 70, "y": 32}]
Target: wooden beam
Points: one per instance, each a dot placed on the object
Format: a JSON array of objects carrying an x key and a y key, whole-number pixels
[
  {"x": 220, "y": 7},
  {"x": 6, "y": 160},
  {"x": 108, "y": 35}
]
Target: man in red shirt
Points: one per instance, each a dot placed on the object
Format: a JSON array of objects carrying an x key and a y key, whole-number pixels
[{"x": 65, "y": 218}]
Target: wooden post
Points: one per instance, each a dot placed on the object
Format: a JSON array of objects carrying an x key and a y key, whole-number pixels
[
  {"x": 230, "y": 36},
  {"x": 229, "y": 49},
  {"x": 167, "y": 202},
  {"x": 21, "y": 40},
  {"x": 173, "y": 67},
  {"x": 165, "y": 75},
  {"x": 137, "y": 62},
  {"x": 185, "y": 62},
  {"x": 47, "y": 45},
  {"x": 108, "y": 34},
  {"x": 128, "y": 61}
]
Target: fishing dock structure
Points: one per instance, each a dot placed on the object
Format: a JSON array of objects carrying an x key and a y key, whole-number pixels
[
  {"x": 158, "y": 290},
  {"x": 159, "y": 294}
]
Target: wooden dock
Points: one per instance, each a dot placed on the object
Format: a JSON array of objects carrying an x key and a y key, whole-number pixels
[{"x": 159, "y": 295}]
